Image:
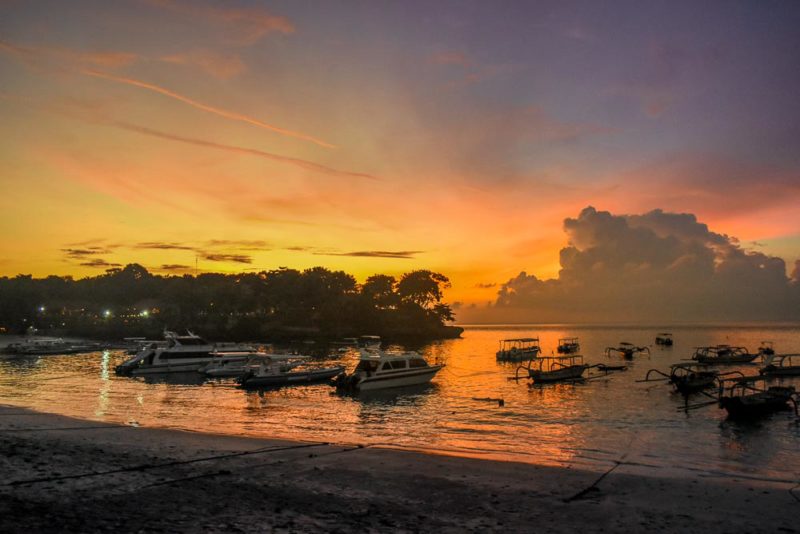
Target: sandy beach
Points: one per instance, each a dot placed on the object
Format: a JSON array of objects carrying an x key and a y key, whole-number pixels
[{"x": 62, "y": 474}]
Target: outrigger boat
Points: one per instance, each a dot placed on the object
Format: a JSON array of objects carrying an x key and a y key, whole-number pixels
[
  {"x": 664, "y": 338},
  {"x": 568, "y": 345},
  {"x": 723, "y": 354},
  {"x": 742, "y": 399},
  {"x": 688, "y": 378},
  {"x": 515, "y": 350},
  {"x": 380, "y": 370},
  {"x": 785, "y": 365},
  {"x": 555, "y": 368},
  {"x": 767, "y": 348},
  {"x": 275, "y": 373},
  {"x": 626, "y": 350}
]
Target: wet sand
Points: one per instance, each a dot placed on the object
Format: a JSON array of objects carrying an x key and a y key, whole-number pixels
[{"x": 68, "y": 475}]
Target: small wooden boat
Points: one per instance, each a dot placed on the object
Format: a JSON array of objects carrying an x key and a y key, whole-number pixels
[
  {"x": 781, "y": 365},
  {"x": 274, "y": 374},
  {"x": 688, "y": 378},
  {"x": 515, "y": 350},
  {"x": 555, "y": 368},
  {"x": 742, "y": 399},
  {"x": 664, "y": 338},
  {"x": 626, "y": 350},
  {"x": 723, "y": 354},
  {"x": 568, "y": 345},
  {"x": 767, "y": 348}
]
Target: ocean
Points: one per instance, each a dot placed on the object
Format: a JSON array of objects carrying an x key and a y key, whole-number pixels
[{"x": 591, "y": 424}]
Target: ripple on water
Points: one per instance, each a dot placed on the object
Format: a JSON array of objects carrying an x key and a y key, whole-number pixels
[{"x": 587, "y": 424}]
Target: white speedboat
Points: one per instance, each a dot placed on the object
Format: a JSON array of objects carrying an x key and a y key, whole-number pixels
[
  {"x": 379, "y": 370},
  {"x": 180, "y": 354},
  {"x": 232, "y": 365},
  {"x": 50, "y": 346}
]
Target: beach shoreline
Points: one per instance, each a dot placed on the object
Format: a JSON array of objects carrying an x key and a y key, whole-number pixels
[{"x": 69, "y": 475}]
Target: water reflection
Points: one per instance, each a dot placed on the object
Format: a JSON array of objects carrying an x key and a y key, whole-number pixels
[
  {"x": 192, "y": 378},
  {"x": 596, "y": 420}
]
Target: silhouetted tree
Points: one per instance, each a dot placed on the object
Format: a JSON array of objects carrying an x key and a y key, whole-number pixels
[{"x": 270, "y": 304}]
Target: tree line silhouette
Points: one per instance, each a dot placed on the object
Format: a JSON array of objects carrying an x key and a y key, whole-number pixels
[{"x": 281, "y": 304}]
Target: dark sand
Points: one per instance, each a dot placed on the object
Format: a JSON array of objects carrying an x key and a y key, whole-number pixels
[{"x": 67, "y": 475}]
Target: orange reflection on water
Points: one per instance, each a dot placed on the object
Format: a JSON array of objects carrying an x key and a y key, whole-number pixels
[{"x": 599, "y": 420}]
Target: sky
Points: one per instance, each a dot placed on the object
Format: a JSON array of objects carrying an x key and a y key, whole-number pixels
[{"x": 469, "y": 138}]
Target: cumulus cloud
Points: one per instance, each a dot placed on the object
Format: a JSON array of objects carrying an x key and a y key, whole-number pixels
[{"x": 656, "y": 266}]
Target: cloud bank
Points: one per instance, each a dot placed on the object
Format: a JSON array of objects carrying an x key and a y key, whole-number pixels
[{"x": 658, "y": 266}]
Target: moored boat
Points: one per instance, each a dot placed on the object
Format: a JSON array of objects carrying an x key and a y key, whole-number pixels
[
  {"x": 50, "y": 347},
  {"x": 178, "y": 354},
  {"x": 781, "y": 365},
  {"x": 234, "y": 365},
  {"x": 742, "y": 399},
  {"x": 626, "y": 350},
  {"x": 273, "y": 373},
  {"x": 555, "y": 368},
  {"x": 381, "y": 370},
  {"x": 664, "y": 338},
  {"x": 723, "y": 354},
  {"x": 568, "y": 345},
  {"x": 688, "y": 378},
  {"x": 518, "y": 349}
]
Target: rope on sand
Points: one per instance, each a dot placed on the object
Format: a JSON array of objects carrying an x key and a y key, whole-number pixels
[{"x": 166, "y": 464}]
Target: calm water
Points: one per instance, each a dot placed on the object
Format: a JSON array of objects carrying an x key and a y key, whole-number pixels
[{"x": 586, "y": 424}]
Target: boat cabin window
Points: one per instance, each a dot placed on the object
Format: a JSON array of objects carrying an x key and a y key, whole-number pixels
[
  {"x": 417, "y": 362},
  {"x": 366, "y": 365},
  {"x": 191, "y": 341},
  {"x": 398, "y": 364}
]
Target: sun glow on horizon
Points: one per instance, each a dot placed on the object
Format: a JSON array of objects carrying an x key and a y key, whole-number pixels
[{"x": 202, "y": 145}]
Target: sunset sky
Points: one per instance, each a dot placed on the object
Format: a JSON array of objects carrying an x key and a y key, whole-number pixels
[{"x": 382, "y": 137}]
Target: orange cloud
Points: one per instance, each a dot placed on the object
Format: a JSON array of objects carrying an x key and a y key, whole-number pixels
[
  {"x": 232, "y": 115},
  {"x": 304, "y": 164},
  {"x": 108, "y": 59},
  {"x": 217, "y": 65}
]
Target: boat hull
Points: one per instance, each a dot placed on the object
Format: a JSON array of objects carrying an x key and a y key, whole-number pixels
[
  {"x": 291, "y": 378},
  {"x": 743, "y": 358},
  {"x": 573, "y": 372},
  {"x": 754, "y": 405},
  {"x": 516, "y": 355},
  {"x": 171, "y": 368},
  {"x": 772, "y": 370}
]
